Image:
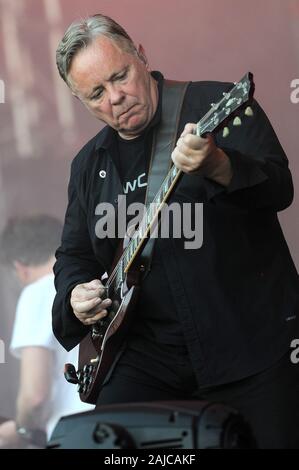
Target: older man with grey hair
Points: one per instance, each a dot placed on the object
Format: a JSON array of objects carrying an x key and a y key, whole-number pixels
[{"x": 212, "y": 323}]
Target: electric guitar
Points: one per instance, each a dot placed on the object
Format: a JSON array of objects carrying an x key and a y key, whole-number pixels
[{"x": 100, "y": 348}]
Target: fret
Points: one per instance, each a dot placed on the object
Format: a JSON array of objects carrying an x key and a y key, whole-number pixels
[
  {"x": 133, "y": 246},
  {"x": 165, "y": 187},
  {"x": 162, "y": 189},
  {"x": 137, "y": 239},
  {"x": 158, "y": 199},
  {"x": 130, "y": 251},
  {"x": 125, "y": 261},
  {"x": 141, "y": 230},
  {"x": 118, "y": 278},
  {"x": 120, "y": 270},
  {"x": 149, "y": 215},
  {"x": 126, "y": 257}
]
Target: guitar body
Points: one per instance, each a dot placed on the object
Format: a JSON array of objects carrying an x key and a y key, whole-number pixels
[{"x": 100, "y": 348}]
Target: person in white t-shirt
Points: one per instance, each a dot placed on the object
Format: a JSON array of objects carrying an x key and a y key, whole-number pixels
[{"x": 44, "y": 395}]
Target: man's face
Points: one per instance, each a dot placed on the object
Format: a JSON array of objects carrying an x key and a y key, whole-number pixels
[{"x": 115, "y": 86}]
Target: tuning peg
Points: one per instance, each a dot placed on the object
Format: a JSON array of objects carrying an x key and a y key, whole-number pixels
[
  {"x": 237, "y": 121},
  {"x": 248, "y": 111},
  {"x": 225, "y": 132}
]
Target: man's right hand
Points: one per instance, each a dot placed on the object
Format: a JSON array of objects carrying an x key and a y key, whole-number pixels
[{"x": 87, "y": 303}]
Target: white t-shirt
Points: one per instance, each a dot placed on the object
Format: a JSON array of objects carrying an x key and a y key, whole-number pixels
[{"x": 33, "y": 327}]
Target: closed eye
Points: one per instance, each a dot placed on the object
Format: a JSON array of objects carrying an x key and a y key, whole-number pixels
[
  {"x": 122, "y": 75},
  {"x": 97, "y": 94}
]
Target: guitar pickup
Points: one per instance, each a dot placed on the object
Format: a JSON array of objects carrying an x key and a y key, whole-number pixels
[{"x": 94, "y": 360}]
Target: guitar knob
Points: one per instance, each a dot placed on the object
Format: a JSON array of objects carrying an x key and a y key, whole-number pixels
[
  {"x": 87, "y": 380},
  {"x": 80, "y": 375},
  {"x": 87, "y": 369},
  {"x": 225, "y": 132},
  {"x": 237, "y": 121},
  {"x": 248, "y": 111}
]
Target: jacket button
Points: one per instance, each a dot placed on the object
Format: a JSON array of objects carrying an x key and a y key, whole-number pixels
[{"x": 102, "y": 174}]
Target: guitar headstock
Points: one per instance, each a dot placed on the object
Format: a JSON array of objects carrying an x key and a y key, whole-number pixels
[{"x": 228, "y": 107}]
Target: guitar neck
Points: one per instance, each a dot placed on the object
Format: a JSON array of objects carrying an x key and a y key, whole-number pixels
[{"x": 145, "y": 228}]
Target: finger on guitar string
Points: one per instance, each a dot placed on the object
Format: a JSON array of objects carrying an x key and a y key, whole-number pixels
[
  {"x": 88, "y": 294},
  {"x": 86, "y": 306},
  {"x": 96, "y": 318},
  {"x": 189, "y": 128}
]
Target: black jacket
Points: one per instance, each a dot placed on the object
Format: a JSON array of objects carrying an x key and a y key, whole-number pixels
[{"x": 237, "y": 296}]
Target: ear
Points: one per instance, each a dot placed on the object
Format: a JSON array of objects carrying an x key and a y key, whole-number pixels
[
  {"x": 69, "y": 84},
  {"x": 142, "y": 55},
  {"x": 22, "y": 271},
  {"x": 18, "y": 265},
  {"x": 74, "y": 94}
]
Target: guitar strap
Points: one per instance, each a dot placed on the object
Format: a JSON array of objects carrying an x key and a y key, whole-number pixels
[{"x": 164, "y": 140}]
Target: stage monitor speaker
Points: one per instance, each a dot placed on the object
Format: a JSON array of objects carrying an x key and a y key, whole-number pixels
[{"x": 154, "y": 425}]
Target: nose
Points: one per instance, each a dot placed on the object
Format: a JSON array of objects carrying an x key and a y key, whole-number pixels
[{"x": 116, "y": 95}]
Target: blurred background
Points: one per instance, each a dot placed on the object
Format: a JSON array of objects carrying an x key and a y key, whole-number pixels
[{"x": 42, "y": 126}]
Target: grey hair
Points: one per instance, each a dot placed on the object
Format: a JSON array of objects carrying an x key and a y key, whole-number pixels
[
  {"x": 31, "y": 240},
  {"x": 82, "y": 33}
]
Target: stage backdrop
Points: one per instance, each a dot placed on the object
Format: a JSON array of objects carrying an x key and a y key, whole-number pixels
[{"x": 42, "y": 126}]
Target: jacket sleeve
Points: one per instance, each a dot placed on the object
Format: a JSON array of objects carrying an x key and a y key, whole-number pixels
[
  {"x": 261, "y": 177},
  {"x": 75, "y": 264}
]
